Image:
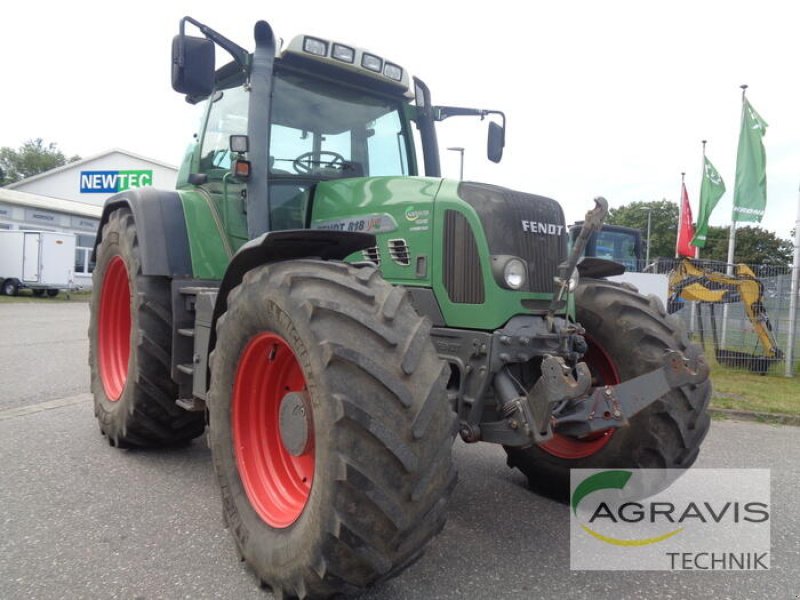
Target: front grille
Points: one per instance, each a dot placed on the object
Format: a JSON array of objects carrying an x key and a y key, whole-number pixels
[
  {"x": 463, "y": 278},
  {"x": 398, "y": 250},
  {"x": 524, "y": 225}
]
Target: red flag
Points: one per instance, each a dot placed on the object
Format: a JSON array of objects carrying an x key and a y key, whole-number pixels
[{"x": 685, "y": 227}]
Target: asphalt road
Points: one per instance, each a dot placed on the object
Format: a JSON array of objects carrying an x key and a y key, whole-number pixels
[
  {"x": 43, "y": 352},
  {"x": 79, "y": 519}
]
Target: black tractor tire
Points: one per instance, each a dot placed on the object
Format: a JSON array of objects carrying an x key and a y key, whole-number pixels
[
  {"x": 628, "y": 334},
  {"x": 372, "y": 475},
  {"x": 10, "y": 287},
  {"x": 130, "y": 341}
]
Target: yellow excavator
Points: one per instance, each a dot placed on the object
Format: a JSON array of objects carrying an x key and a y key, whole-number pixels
[{"x": 690, "y": 281}]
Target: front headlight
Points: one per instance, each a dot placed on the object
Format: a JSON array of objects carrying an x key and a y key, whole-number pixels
[
  {"x": 515, "y": 274},
  {"x": 510, "y": 272}
]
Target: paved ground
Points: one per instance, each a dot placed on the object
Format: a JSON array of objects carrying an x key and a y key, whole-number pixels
[
  {"x": 79, "y": 519},
  {"x": 43, "y": 352}
]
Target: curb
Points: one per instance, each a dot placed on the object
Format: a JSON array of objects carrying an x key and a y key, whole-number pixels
[{"x": 757, "y": 417}]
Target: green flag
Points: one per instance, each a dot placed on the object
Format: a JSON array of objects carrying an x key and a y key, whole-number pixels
[
  {"x": 750, "y": 189},
  {"x": 711, "y": 190}
]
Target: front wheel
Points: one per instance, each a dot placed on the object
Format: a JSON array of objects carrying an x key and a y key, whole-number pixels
[
  {"x": 627, "y": 335},
  {"x": 329, "y": 427}
]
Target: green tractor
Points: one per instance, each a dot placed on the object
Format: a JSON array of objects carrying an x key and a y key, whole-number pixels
[{"x": 336, "y": 317}]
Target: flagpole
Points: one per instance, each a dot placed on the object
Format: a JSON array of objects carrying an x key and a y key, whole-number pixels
[
  {"x": 693, "y": 313},
  {"x": 732, "y": 236},
  {"x": 731, "y": 244},
  {"x": 702, "y": 174},
  {"x": 795, "y": 297}
]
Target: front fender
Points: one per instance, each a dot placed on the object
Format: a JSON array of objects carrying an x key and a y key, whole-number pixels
[{"x": 277, "y": 246}]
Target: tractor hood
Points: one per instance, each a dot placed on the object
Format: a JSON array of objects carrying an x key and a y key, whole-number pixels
[{"x": 456, "y": 238}]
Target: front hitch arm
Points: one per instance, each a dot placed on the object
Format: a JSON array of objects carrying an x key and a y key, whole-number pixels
[
  {"x": 613, "y": 406},
  {"x": 562, "y": 400},
  {"x": 531, "y": 413}
]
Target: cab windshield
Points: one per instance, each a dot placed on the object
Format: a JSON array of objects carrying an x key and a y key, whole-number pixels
[{"x": 322, "y": 130}]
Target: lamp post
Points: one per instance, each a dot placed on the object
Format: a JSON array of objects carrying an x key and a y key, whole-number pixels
[
  {"x": 460, "y": 150},
  {"x": 647, "y": 252}
]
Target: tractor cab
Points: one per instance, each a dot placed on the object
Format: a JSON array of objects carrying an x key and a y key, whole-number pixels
[{"x": 279, "y": 123}]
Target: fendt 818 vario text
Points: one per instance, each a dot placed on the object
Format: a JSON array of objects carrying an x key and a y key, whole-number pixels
[{"x": 336, "y": 317}]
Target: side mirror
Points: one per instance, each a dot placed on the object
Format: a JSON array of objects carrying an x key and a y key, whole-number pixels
[
  {"x": 495, "y": 142},
  {"x": 192, "y": 65}
]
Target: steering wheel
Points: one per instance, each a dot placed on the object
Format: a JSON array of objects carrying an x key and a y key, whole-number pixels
[{"x": 304, "y": 164}]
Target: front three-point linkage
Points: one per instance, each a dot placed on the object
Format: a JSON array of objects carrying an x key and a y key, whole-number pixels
[{"x": 613, "y": 405}]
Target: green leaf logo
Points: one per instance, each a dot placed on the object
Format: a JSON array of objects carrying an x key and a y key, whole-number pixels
[
  {"x": 611, "y": 480},
  {"x": 607, "y": 480}
]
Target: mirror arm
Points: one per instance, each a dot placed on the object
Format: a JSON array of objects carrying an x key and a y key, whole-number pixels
[
  {"x": 440, "y": 113},
  {"x": 239, "y": 54}
]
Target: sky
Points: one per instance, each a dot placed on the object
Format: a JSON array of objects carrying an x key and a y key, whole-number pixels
[{"x": 608, "y": 98}]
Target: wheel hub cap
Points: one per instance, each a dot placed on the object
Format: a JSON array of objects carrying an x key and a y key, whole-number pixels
[{"x": 295, "y": 414}]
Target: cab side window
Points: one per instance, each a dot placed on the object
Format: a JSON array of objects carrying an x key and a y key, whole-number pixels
[
  {"x": 227, "y": 116},
  {"x": 386, "y": 145}
]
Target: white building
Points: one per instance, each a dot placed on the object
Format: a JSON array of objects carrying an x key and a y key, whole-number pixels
[{"x": 70, "y": 198}]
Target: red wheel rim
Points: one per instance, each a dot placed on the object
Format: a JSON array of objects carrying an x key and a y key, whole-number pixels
[
  {"x": 114, "y": 329},
  {"x": 277, "y": 483},
  {"x": 604, "y": 372}
]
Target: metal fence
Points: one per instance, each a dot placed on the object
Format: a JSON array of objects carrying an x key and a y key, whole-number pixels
[{"x": 728, "y": 334}]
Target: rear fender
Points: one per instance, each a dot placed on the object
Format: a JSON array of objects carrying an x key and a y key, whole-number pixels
[{"x": 160, "y": 229}]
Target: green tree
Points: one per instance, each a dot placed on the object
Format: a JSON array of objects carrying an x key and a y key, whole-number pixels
[
  {"x": 754, "y": 245},
  {"x": 663, "y": 224},
  {"x": 30, "y": 159}
]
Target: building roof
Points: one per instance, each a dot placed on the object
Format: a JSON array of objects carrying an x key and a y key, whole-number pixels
[
  {"x": 89, "y": 159},
  {"x": 70, "y": 207}
]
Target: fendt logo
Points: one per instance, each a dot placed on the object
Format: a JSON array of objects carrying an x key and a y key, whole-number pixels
[
  {"x": 538, "y": 227},
  {"x": 111, "y": 182}
]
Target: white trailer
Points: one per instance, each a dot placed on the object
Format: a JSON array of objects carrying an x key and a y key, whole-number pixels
[{"x": 43, "y": 261}]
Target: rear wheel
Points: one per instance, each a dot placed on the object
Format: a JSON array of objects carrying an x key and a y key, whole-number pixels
[
  {"x": 52, "y": 293},
  {"x": 330, "y": 430},
  {"x": 130, "y": 337},
  {"x": 627, "y": 335}
]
